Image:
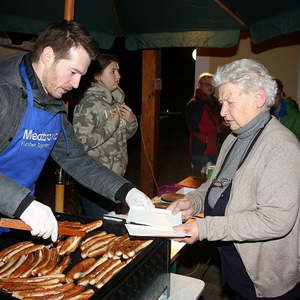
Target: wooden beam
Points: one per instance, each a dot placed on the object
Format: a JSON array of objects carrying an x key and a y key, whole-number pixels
[
  {"x": 60, "y": 186},
  {"x": 230, "y": 13},
  {"x": 151, "y": 86},
  {"x": 69, "y": 10}
]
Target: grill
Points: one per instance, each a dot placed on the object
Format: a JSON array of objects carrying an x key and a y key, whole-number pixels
[{"x": 146, "y": 277}]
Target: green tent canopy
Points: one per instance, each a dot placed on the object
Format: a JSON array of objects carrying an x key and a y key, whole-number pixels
[{"x": 160, "y": 23}]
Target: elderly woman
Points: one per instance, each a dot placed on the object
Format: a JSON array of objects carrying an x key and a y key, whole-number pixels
[{"x": 251, "y": 203}]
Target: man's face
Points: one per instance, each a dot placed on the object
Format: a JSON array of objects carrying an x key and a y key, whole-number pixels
[
  {"x": 60, "y": 76},
  {"x": 205, "y": 86},
  {"x": 238, "y": 108}
]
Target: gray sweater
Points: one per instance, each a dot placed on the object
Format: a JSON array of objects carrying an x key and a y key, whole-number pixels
[{"x": 262, "y": 215}]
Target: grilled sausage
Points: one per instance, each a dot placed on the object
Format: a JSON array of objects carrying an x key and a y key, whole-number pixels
[
  {"x": 27, "y": 250},
  {"x": 34, "y": 280},
  {"x": 113, "y": 246},
  {"x": 13, "y": 247},
  {"x": 110, "y": 274},
  {"x": 75, "y": 291},
  {"x": 68, "y": 294},
  {"x": 98, "y": 244},
  {"x": 84, "y": 275},
  {"x": 70, "y": 245},
  {"x": 62, "y": 265},
  {"x": 15, "y": 266},
  {"x": 38, "y": 256},
  {"x": 78, "y": 268},
  {"x": 113, "y": 263},
  {"x": 44, "y": 261},
  {"x": 135, "y": 247},
  {"x": 49, "y": 297},
  {"x": 14, "y": 250},
  {"x": 6, "y": 266},
  {"x": 74, "y": 224},
  {"x": 98, "y": 251},
  {"x": 26, "y": 264},
  {"x": 53, "y": 259},
  {"x": 43, "y": 292},
  {"x": 95, "y": 238},
  {"x": 11, "y": 287},
  {"x": 92, "y": 225},
  {"x": 87, "y": 294},
  {"x": 98, "y": 267},
  {"x": 102, "y": 233}
]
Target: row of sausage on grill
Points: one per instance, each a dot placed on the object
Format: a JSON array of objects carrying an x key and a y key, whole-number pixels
[{"x": 32, "y": 271}]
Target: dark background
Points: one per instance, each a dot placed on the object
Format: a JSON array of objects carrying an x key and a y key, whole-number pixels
[{"x": 177, "y": 74}]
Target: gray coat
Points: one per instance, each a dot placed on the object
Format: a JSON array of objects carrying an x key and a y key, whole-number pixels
[
  {"x": 262, "y": 217},
  {"x": 67, "y": 152}
]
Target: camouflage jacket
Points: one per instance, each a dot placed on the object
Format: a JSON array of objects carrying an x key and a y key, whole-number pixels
[{"x": 101, "y": 139}]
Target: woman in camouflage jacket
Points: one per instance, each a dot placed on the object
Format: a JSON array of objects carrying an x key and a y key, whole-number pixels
[{"x": 102, "y": 121}]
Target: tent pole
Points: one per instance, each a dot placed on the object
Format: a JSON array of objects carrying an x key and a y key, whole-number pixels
[
  {"x": 60, "y": 182},
  {"x": 69, "y": 10}
]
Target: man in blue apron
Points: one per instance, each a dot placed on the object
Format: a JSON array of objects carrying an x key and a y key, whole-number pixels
[
  {"x": 33, "y": 125},
  {"x": 251, "y": 203}
]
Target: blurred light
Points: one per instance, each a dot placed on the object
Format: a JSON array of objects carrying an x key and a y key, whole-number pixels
[{"x": 194, "y": 54}]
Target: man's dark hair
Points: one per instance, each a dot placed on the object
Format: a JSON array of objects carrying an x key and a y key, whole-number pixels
[
  {"x": 279, "y": 86},
  {"x": 61, "y": 37}
]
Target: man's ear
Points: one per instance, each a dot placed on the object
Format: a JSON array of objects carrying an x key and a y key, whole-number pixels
[
  {"x": 261, "y": 98},
  {"x": 47, "y": 55}
]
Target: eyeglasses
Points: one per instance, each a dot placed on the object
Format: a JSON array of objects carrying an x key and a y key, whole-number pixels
[{"x": 221, "y": 182}]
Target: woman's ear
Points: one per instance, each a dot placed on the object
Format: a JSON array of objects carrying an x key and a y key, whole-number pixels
[
  {"x": 261, "y": 98},
  {"x": 97, "y": 77}
]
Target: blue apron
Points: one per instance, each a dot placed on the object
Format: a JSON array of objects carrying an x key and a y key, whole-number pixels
[{"x": 26, "y": 155}]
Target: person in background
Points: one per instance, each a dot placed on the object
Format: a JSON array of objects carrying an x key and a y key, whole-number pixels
[
  {"x": 33, "y": 125},
  {"x": 251, "y": 204},
  {"x": 286, "y": 110},
  {"x": 203, "y": 122},
  {"x": 103, "y": 123}
]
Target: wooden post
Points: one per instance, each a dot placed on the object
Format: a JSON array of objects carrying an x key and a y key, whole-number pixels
[
  {"x": 59, "y": 191},
  {"x": 69, "y": 10},
  {"x": 60, "y": 184},
  {"x": 151, "y": 86}
]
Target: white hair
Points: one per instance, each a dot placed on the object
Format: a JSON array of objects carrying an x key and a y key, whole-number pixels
[{"x": 249, "y": 75}]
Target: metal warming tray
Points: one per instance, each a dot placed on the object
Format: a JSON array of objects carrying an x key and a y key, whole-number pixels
[{"x": 146, "y": 277}]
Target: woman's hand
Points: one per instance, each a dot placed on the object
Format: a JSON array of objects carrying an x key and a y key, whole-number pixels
[
  {"x": 185, "y": 206},
  {"x": 126, "y": 113},
  {"x": 190, "y": 229},
  {"x": 113, "y": 115}
]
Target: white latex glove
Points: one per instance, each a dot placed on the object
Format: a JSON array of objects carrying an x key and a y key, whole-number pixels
[
  {"x": 41, "y": 220},
  {"x": 138, "y": 198}
]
